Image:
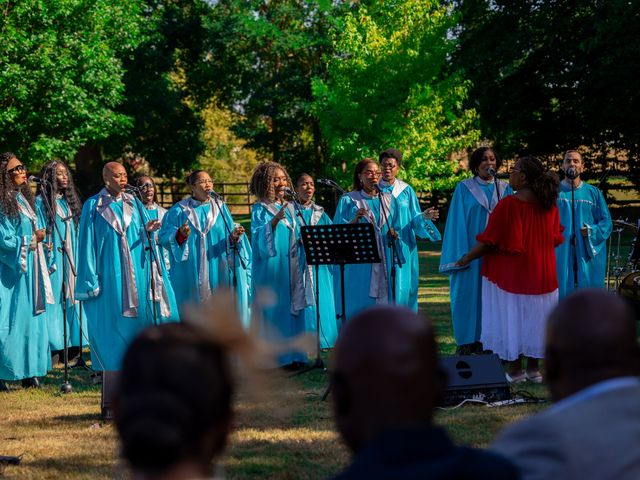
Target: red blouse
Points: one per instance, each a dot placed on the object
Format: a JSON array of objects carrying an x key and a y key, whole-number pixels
[{"x": 524, "y": 236}]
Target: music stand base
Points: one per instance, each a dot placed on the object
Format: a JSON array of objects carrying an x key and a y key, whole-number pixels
[{"x": 80, "y": 363}]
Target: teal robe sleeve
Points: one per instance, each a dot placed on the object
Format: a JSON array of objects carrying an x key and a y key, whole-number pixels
[
  {"x": 14, "y": 247},
  {"x": 171, "y": 222},
  {"x": 423, "y": 227},
  {"x": 262, "y": 233},
  {"x": 345, "y": 211},
  {"x": 87, "y": 281},
  {"x": 600, "y": 230},
  {"x": 456, "y": 235}
]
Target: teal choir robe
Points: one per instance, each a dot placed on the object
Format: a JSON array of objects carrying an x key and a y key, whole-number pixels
[
  {"x": 365, "y": 284},
  {"x": 206, "y": 260},
  {"x": 114, "y": 277},
  {"x": 406, "y": 218},
  {"x": 25, "y": 294},
  {"x": 277, "y": 270},
  {"x": 315, "y": 215},
  {"x": 472, "y": 202},
  {"x": 156, "y": 212},
  {"x": 590, "y": 210},
  {"x": 55, "y": 314}
]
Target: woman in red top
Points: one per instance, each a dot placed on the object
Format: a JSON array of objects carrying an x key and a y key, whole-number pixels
[{"x": 519, "y": 281}]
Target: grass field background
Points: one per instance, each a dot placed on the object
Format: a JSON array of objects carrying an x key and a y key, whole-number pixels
[{"x": 286, "y": 433}]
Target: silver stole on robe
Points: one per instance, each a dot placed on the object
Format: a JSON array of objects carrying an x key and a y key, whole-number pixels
[
  {"x": 473, "y": 186},
  {"x": 41, "y": 280},
  {"x": 129, "y": 286},
  {"x": 378, "y": 286},
  {"x": 301, "y": 292},
  {"x": 188, "y": 207}
]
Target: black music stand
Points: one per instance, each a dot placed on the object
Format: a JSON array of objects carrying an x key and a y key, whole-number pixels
[{"x": 340, "y": 245}]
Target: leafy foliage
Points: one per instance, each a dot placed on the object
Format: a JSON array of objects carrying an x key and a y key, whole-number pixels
[
  {"x": 61, "y": 73},
  {"x": 166, "y": 128},
  {"x": 389, "y": 85},
  {"x": 261, "y": 58},
  {"x": 548, "y": 76}
]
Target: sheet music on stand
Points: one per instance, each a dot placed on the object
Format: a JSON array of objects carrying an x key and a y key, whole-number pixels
[{"x": 340, "y": 244}]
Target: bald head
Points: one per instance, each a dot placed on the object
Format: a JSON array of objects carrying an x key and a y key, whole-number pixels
[
  {"x": 591, "y": 336},
  {"x": 384, "y": 375},
  {"x": 115, "y": 177}
]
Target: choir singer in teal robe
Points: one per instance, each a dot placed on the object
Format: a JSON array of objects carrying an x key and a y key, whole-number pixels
[
  {"x": 473, "y": 201},
  {"x": 114, "y": 275},
  {"x": 57, "y": 184},
  {"x": 592, "y": 226},
  {"x": 206, "y": 248},
  {"x": 26, "y": 290},
  {"x": 408, "y": 223},
  {"x": 314, "y": 215}
]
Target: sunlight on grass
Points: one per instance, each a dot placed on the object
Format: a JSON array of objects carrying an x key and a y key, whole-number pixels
[{"x": 287, "y": 433}]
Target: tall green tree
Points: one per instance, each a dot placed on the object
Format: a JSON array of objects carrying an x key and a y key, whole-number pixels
[
  {"x": 548, "y": 76},
  {"x": 61, "y": 73},
  {"x": 167, "y": 127},
  {"x": 389, "y": 85},
  {"x": 262, "y": 57}
]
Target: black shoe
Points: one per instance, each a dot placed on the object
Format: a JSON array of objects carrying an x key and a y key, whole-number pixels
[
  {"x": 31, "y": 382},
  {"x": 3, "y": 386}
]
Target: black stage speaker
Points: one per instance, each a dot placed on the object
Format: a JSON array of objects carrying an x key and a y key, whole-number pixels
[
  {"x": 474, "y": 376},
  {"x": 109, "y": 385}
]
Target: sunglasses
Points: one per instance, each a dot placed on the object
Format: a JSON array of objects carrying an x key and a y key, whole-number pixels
[{"x": 18, "y": 169}]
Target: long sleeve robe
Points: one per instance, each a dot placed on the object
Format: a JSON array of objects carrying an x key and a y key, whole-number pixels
[
  {"x": 407, "y": 220},
  {"x": 472, "y": 202},
  {"x": 314, "y": 215},
  {"x": 24, "y": 339},
  {"x": 591, "y": 210},
  {"x": 193, "y": 279},
  {"x": 55, "y": 314},
  {"x": 114, "y": 277},
  {"x": 277, "y": 257}
]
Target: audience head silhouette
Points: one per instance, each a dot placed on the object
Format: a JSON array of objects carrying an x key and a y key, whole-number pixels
[
  {"x": 385, "y": 374},
  {"x": 173, "y": 411},
  {"x": 591, "y": 337}
]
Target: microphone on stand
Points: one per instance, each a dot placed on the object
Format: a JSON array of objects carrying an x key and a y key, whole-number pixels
[
  {"x": 213, "y": 194},
  {"x": 291, "y": 193},
  {"x": 34, "y": 179},
  {"x": 491, "y": 171},
  {"x": 571, "y": 173},
  {"x": 331, "y": 183},
  {"x": 131, "y": 188}
]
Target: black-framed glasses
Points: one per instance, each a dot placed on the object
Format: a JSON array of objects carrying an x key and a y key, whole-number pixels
[{"x": 18, "y": 169}]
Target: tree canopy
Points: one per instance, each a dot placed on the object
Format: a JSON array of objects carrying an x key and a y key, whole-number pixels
[{"x": 61, "y": 73}]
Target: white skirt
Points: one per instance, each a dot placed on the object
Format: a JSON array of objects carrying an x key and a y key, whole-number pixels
[{"x": 512, "y": 323}]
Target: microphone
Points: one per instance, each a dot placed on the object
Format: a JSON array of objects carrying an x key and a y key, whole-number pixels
[
  {"x": 34, "y": 179},
  {"x": 571, "y": 173},
  {"x": 491, "y": 171},
  {"x": 213, "y": 194},
  {"x": 377, "y": 187},
  {"x": 330, "y": 183},
  {"x": 130, "y": 188},
  {"x": 291, "y": 193}
]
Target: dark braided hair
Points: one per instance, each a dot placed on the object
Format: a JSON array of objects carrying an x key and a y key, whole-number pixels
[
  {"x": 8, "y": 200},
  {"x": 357, "y": 184},
  {"x": 175, "y": 387},
  {"x": 262, "y": 180},
  {"x": 50, "y": 188},
  {"x": 543, "y": 183}
]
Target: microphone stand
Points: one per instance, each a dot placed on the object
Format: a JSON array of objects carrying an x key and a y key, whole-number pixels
[
  {"x": 496, "y": 183},
  {"x": 395, "y": 260},
  {"x": 66, "y": 386},
  {"x": 573, "y": 240},
  {"x": 234, "y": 247},
  {"x": 317, "y": 363},
  {"x": 152, "y": 251}
]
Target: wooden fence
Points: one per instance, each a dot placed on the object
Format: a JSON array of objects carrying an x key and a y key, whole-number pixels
[{"x": 239, "y": 200}]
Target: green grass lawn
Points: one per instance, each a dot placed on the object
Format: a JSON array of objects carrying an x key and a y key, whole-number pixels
[{"x": 285, "y": 433}]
